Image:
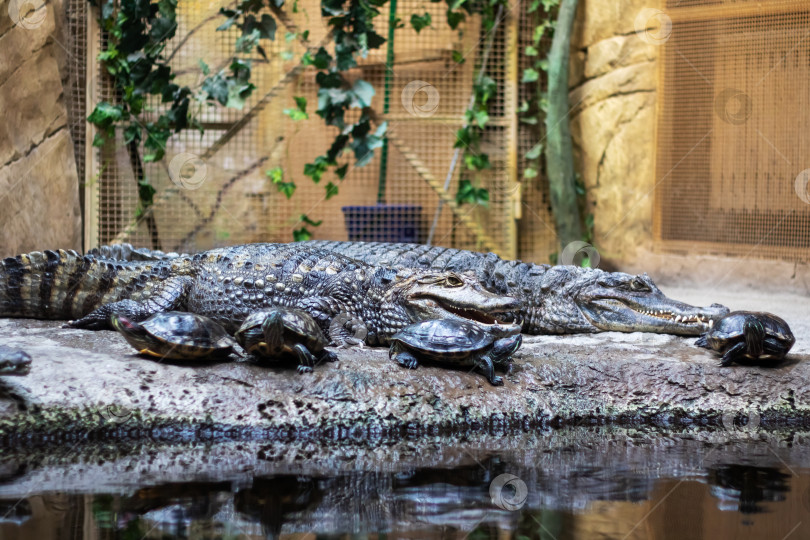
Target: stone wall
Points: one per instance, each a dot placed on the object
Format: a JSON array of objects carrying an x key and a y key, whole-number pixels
[
  {"x": 613, "y": 99},
  {"x": 39, "y": 185}
]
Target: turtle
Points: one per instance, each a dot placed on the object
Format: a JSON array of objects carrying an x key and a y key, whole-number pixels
[
  {"x": 14, "y": 361},
  {"x": 459, "y": 343},
  {"x": 176, "y": 335},
  {"x": 748, "y": 335},
  {"x": 280, "y": 331}
]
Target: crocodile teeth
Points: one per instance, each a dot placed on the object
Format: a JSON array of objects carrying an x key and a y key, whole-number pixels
[
  {"x": 711, "y": 323},
  {"x": 678, "y": 318}
]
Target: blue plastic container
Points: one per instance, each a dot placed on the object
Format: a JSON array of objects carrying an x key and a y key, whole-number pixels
[{"x": 384, "y": 223}]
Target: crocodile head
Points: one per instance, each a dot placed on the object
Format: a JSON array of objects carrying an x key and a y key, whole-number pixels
[
  {"x": 424, "y": 295},
  {"x": 615, "y": 301}
]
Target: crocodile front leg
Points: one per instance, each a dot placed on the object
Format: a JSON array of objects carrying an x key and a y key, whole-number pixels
[{"x": 170, "y": 295}]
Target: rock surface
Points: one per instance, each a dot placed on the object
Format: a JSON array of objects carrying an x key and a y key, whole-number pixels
[{"x": 91, "y": 383}]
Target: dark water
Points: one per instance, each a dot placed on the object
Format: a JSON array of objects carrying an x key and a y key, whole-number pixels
[{"x": 575, "y": 484}]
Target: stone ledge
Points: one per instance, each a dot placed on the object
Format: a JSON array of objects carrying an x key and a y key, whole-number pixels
[{"x": 86, "y": 384}]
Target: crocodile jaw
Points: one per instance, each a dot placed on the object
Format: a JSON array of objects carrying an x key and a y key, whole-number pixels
[
  {"x": 623, "y": 303},
  {"x": 664, "y": 318},
  {"x": 448, "y": 295}
]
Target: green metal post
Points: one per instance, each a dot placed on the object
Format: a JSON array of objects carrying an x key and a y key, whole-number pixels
[{"x": 389, "y": 69}]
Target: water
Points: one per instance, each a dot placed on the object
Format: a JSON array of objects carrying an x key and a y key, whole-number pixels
[{"x": 577, "y": 483}]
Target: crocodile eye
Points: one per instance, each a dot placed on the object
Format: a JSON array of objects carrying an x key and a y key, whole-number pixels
[
  {"x": 637, "y": 284},
  {"x": 454, "y": 281}
]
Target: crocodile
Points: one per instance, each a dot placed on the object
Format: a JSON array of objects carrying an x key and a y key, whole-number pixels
[
  {"x": 555, "y": 299},
  {"x": 227, "y": 284}
]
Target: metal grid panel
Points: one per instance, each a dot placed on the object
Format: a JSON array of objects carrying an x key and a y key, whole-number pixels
[
  {"x": 233, "y": 201},
  {"x": 537, "y": 237},
  {"x": 732, "y": 134},
  {"x": 75, "y": 94}
]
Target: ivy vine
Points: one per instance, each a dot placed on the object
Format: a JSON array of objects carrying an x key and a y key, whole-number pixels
[{"x": 135, "y": 57}]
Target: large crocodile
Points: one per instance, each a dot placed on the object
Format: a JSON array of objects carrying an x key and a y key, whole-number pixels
[
  {"x": 227, "y": 284},
  {"x": 555, "y": 299}
]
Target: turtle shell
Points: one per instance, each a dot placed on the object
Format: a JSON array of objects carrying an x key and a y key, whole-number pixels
[
  {"x": 451, "y": 338},
  {"x": 298, "y": 327},
  {"x": 730, "y": 328},
  {"x": 177, "y": 335}
]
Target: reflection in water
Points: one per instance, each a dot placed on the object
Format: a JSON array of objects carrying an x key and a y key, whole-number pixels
[
  {"x": 571, "y": 492},
  {"x": 741, "y": 487},
  {"x": 428, "y": 503}
]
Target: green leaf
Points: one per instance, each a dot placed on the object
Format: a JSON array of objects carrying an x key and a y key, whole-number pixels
[
  {"x": 301, "y": 235},
  {"x": 477, "y": 162},
  {"x": 105, "y": 114},
  {"x": 529, "y": 173},
  {"x": 530, "y": 75},
  {"x": 276, "y": 175},
  {"x": 146, "y": 192},
  {"x": 524, "y": 107},
  {"x": 99, "y": 139},
  {"x": 331, "y": 190},
  {"x": 204, "y": 67},
  {"x": 308, "y": 221},
  {"x": 467, "y": 193},
  {"x": 454, "y": 18},
  {"x": 267, "y": 27},
  {"x": 364, "y": 93},
  {"x": 543, "y": 64},
  {"x": 420, "y": 22},
  {"x": 530, "y": 51},
  {"x": 458, "y": 57},
  {"x": 535, "y": 151},
  {"x": 340, "y": 172},
  {"x": 481, "y": 118}
]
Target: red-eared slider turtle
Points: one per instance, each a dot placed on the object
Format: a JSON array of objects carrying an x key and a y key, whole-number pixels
[
  {"x": 14, "y": 361},
  {"x": 458, "y": 343},
  {"x": 748, "y": 335},
  {"x": 176, "y": 335},
  {"x": 279, "y": 331}
]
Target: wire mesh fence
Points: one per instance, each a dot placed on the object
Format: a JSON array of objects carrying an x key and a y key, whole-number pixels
[
  {"x": 732, "y": 167},
  {"x": 214, "y": 189}
]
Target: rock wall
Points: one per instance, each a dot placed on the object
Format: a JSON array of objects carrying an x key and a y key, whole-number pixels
[
  {"x": 39, "y": 184},
  {"x": 613, "y": 99}
]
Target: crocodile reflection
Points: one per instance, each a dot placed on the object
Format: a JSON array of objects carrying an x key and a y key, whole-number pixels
[{"x": 743, "y": 487}]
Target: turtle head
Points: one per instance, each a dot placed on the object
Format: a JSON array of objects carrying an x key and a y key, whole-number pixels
[
  {"x": 14, "y": 362},
  {"x": 425, "y": 295},
  {"x": 615, "y": 301},
  {"x": 135, "y": 334},
  {"x": 273, "y": 332}
]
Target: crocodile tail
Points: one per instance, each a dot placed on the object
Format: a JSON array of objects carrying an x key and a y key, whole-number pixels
[{"x": 64, "y": 284}]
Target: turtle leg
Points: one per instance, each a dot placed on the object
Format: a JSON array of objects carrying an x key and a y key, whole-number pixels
[
  {"x": 754, "y": 335},
  {"x": 346, "y": 332},
  {"x": 486, "y": 367},
  {"x": 171, "y": 294},
  {"x": 305, "y": 358},
  {"x": 402, "y": 357},
  {"x": 733, "y": 354},
  {"x": 327, "y": 356},
  {"x": 775, "y": 348},
  {"x": 703, "y": 342}
]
